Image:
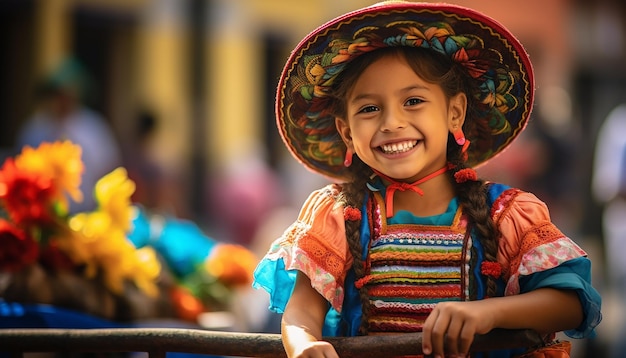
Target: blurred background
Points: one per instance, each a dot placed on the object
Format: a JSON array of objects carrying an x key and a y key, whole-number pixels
[{"x": 184, "y": 89}]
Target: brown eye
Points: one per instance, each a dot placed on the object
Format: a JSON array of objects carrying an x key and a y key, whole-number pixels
[
  {"x": 369, "y": 109},
  {"x": 413, "y": 102}
]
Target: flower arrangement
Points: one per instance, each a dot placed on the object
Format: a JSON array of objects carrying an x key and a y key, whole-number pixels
[{"x": 104, "y": 249}]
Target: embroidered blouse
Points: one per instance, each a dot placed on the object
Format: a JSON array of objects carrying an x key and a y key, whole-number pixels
[{"x": 430, "y": 253}]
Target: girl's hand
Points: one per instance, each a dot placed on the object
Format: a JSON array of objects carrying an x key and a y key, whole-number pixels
[
  {"x": 453, "y": 325},
  {"x": 317, "y": 349}
]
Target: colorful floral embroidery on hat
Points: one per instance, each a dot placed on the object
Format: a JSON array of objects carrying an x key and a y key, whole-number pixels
[{"x": 493, "y": 59}]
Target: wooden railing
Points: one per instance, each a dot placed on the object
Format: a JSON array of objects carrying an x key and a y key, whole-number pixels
[{"x": 157, "y": 342}]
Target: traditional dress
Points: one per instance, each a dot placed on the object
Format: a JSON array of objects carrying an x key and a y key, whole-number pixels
[{"x": 412, "y": 263}]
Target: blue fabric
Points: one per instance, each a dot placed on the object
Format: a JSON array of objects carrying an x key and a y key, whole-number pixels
[
  {"x": 352, "y": 307},
  {"x": 444, "y": 219},
  {"x": 571, "y": 275},
  {"x": 272, "y": 276},
  {"x": 19, "y": 315},
  {"x": 494, "y": 190}
]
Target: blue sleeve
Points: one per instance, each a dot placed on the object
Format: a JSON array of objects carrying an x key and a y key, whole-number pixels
[
  {"x": 272, "y": 276},
  {"x": 571, "y": 275}
]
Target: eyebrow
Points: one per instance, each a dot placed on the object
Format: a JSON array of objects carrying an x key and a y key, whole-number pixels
[{"x": 402, "y": 90}]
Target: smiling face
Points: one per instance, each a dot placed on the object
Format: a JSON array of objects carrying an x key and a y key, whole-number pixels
[{"x": 398, "y": 123}]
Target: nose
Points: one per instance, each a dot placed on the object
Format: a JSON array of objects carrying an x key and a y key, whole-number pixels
[{"x": 392, "y": 120}]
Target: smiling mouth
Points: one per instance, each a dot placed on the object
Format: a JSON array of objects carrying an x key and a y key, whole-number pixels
[{"x": 399, "y": 147}]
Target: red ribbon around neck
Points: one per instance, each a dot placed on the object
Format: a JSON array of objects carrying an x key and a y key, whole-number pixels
[{"x": 402, "y": 186}]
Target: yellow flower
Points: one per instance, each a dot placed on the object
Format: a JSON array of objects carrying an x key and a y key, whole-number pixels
[
  {"x": 118, "y": 260},
  {"x": 103, "y": 247},
  {"x": 113, "y": 194},
  {"x": 147, "y": 270},
  {"x": 91, "y": 232},
  {"x": 60, "y": 161},
  {"x": 72, "y": 243}
]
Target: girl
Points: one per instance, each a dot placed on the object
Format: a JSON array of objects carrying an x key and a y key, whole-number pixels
[{"x": 397, "y": 102}]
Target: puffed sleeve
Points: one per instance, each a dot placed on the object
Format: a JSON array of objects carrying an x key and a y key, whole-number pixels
[
  {"x": 314, "y": 244},
  {"x": 535, "y": 253}
]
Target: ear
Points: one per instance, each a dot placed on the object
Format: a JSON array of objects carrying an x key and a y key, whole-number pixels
[
  {"x": 457, "y": 108},
  {"x": 344, "y": 131}
]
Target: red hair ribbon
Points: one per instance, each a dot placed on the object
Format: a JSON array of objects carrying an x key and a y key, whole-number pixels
[
  {"x": 351, "y": 213},
  {"x": 490, "y": 268},
  {"x": 464, "y": 175}
]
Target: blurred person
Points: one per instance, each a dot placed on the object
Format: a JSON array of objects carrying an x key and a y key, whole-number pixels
[
  {"x": 62, "y": 115},
  {"x": 159, "y": 188},
  {"x": 609, "y": 189},
  {"x": 243, "y": 195}
]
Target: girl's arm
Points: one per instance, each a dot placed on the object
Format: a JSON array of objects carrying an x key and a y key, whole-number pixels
[
  {"x": 454, "y": 324},
  {"x": 303, "y": 320}
]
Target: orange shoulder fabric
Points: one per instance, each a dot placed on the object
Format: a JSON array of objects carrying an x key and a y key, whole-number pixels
[
  {"x": 529, "y": 241},
  {"x": 316, "y": 244}
]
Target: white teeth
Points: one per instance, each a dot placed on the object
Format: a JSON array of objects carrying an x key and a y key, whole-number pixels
[{"x": 398, "y": 147}]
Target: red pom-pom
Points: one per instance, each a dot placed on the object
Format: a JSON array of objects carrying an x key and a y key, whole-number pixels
[
  {"x": 351, "y": 213},
  {"x": 464, "y": 175},
  {"x": 490, "y": 268}
]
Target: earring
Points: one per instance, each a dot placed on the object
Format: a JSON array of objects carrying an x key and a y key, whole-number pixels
[
  {"x": 348, "y": 160},
  {"x": 459, "y": 137}
]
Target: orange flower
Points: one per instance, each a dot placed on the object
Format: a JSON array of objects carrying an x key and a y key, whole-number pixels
[
  {"x": 60, "y": 161},
  {"x": 231, "y": 264}
]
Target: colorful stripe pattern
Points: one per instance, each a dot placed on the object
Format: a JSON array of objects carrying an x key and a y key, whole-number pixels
[{"x": 410, "y": 269}]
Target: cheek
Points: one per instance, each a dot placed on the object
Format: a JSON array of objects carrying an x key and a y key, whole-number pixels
[{"x": 438, "y": 137}]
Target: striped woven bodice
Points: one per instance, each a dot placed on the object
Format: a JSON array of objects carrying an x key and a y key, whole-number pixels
[{"x": 410, "y": 268}]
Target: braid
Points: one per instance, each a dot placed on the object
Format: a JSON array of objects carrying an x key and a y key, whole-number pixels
[
  {"x": 473, "y": 197},
  {"x": 353, "y": 194}
]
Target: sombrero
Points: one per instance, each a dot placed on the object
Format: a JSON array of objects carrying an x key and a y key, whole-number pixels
[{"x": 499, "y": 69}]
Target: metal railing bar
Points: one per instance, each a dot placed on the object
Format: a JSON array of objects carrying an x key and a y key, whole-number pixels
[{"x": 156, "y": 341}]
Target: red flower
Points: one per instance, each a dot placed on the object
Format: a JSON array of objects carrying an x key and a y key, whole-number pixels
[
  {"x": 27, "y": 197},
  {"x": 17, "y": 249},
  {"x": 186, "y": 305}
]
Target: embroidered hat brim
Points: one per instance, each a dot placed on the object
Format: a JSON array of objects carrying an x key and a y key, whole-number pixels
[{"x": 499, "y": 68}]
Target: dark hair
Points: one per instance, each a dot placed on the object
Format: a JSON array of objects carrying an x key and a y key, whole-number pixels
[{"x": 472, "y": 195}]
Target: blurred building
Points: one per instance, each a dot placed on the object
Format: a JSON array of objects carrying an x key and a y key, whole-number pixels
[{"x": 207, "y": 69}]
